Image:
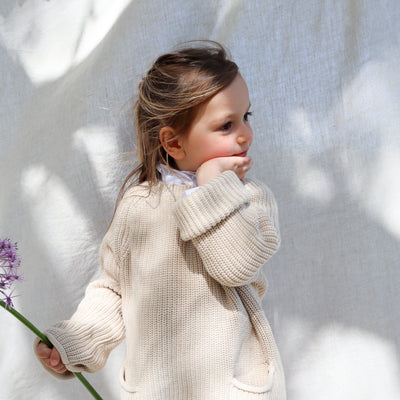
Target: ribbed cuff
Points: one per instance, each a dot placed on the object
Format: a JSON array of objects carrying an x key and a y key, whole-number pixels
[
  {"x": 210, "y": 204},
  {"x": 59, "y": 345}
]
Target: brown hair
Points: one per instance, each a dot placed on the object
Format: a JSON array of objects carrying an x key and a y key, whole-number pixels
[{"x": 170, "y": 95}]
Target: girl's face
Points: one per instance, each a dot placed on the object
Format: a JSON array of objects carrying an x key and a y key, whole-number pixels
[{"x": 220, "y": 129}]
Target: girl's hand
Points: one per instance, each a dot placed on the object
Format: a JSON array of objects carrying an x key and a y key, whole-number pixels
[
  {"x": 51, "y": 358},
  {"x": 212, "y": 168}
]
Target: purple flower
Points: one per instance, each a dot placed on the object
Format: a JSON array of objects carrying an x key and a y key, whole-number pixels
[{"x": 9, "y": 263}]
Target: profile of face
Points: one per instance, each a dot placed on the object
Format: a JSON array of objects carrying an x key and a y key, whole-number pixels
[{"x": 220, "y": 129}]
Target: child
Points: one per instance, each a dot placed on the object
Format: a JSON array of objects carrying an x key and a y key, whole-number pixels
[{"x": 181, "y": 276}]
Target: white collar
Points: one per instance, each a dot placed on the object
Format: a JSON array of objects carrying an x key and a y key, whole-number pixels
[{"x": 171, "y": 175}]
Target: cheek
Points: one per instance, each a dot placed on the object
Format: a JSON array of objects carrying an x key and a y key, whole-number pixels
[{"x": 221, "y": 147}]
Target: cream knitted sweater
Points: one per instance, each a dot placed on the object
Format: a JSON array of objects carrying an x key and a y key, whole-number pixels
[{"x": 181, "y": 281}]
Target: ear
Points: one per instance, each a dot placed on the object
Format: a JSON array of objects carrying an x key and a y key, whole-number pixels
[{"x": 172, "y": 143}]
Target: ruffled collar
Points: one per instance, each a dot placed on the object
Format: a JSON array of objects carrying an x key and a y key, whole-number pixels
[{"x": 171, "y": 175}]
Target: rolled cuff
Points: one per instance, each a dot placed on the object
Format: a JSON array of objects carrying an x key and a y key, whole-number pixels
[{"x": 210, "y": 204}]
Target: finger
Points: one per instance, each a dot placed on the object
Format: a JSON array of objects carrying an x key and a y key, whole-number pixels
[
  {"x": 60, "y": 368},
  {"x": 54, "y": 357},
  {"x": 43, "y": 351},
  {"x": 47, "y": 363},
  {"x": 236, "y": 161},
  {"x": 243, "y": 169},
  {"x": 250, "y": 163},
  {"x": 246, "y": 160}
]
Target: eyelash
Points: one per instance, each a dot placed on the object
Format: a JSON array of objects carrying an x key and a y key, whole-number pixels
[
  {"x": 247, "y": 115},
  {"x": 228, "y": 125}
]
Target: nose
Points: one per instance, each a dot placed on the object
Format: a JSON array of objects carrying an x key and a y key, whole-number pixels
[{"x": 245, "y": 134}]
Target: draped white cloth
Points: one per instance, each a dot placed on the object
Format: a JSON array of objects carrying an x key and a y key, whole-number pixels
[{"x": 324, "y": 79}]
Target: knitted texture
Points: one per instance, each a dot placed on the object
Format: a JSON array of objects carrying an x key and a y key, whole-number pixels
[{"x": 181, "y": 281}]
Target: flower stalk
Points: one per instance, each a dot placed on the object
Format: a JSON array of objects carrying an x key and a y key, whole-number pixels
[{"x": 9, "y": 263}]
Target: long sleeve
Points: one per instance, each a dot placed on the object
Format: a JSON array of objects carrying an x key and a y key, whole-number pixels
[
  {"x": 97, "y": 326},
  {"x": 233, "y": 225}
]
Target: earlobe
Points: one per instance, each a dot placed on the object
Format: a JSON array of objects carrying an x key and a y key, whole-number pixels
[{"x": 171, "y": 143}]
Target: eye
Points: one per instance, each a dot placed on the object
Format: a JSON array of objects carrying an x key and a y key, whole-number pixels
[
  {"x": 247, "y": 115},
  {"x": 226, "y": 126}
]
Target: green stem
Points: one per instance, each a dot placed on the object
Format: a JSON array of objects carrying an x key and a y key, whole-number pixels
[{"x": 46, "y": 341}]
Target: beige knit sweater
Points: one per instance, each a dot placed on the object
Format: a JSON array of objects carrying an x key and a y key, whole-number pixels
[{"x": 181, "y": 281}]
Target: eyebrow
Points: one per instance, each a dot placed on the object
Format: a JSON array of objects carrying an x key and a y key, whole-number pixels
[{"x": 230, "y": 115}]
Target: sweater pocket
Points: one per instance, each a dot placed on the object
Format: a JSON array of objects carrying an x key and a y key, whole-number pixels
[
  {"x": 127, "y": 391},
  {"x": 243, "y": 391}
]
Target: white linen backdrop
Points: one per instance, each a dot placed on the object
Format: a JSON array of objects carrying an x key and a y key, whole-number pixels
[{"x": 324, "y": 79}]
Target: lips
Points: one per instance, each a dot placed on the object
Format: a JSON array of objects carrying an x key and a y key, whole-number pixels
[{"x": 244, "y": 154}]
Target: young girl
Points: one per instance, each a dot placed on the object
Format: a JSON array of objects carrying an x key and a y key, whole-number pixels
[{"x": 181, "y": 276}]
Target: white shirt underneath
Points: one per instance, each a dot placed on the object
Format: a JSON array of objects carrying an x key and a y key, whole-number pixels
[{"x": 171, "y": 175}]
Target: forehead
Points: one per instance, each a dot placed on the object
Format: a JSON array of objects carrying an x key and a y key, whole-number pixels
[{"x": 232, "y": 100}]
